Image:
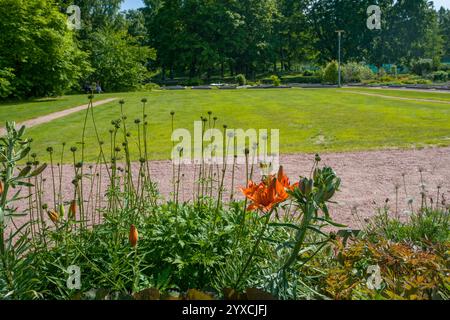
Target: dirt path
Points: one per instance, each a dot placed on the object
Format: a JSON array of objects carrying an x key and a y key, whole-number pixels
[
  {"x": 56, "y": 115},
  {"x": 396, "y": 98},
  {"x": 368, "y": 179},
  {"x": 402, "y": 89}
]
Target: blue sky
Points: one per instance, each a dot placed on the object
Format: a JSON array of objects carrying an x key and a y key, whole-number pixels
[
  {"x": 134, "y": 4},
  {"x": 442, "y": 3}
]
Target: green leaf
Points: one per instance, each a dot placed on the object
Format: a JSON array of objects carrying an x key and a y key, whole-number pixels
[
  {"x": 285, "y": 225},
  {"x": 24, "y": 172},
  {"x": 39, "y": 170},
  {"x": 24, "y": 184},
  {"x": 335, "y": 224},
  {"x": 317, "y": 230}
]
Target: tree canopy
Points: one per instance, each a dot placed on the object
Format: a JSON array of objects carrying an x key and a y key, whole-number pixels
[{"x": 40, "y": 56}]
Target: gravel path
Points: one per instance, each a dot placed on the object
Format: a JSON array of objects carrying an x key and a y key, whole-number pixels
[
  {"x": 56, "y": 115},
  {"x": 368, "y": 179}
]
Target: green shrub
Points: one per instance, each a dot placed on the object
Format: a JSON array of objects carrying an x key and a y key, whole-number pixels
[
  {"x": 275, "y": 80},
  {"x": 386, "y": 78},
  {"x": 193, "y": 82},
  {"x": 444, "y": 67},
  {"x": 302, "y": 79},
  {"x": 356, "y": 72},
  {"x": 422, "y": 67},
  {"x": 403, "y": 80},
  {"x": 257, "y": 82},
  {"x": 241, "y": 80},
  {"x": 6, "y": 87},
  {"x": 150, "y": 86},
  {"x": 440, "y": 76},
  {"x": 416, "y": 81},
  {"x": 331, "y": 73}
]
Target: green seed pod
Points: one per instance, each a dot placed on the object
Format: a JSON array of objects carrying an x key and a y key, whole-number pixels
[{"x": 61, "y": 210}]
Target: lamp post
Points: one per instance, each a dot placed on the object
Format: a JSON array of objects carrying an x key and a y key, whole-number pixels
[{"x": 339, "y": 32}]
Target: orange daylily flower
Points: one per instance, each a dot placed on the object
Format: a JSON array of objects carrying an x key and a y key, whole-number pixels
[
  {"x": 268, "y": 193},
  {"x": 73, "y": 209},
  {"x": 53, "y": 215},
  {"x": 282, "y": 178},
  {"x": 134, "y": 235},
  {"x": 250, "y": 190}
]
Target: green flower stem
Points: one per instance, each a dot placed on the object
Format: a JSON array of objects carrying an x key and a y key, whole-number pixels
[
  {"x": 300, "y": 237},
  {"x": 255, "y": 247}
]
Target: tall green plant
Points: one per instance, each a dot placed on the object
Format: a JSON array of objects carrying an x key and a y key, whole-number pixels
[
  {"x": 13, "y": 148},
  {"x": 14, "y": 268},
  {"x": 311, "y": 197}
]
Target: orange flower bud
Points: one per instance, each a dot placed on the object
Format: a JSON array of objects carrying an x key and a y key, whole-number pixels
[
  {"x": 1, "y": 188},
  {"x": 280, "y": 173},
  {"x": 72, "y": 209},
  {"x": 134, "y": 235},
  {"x": 53, "y": 215}
]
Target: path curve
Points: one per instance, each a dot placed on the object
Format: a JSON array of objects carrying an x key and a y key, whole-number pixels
[
  {"x": 56, "y": 115},
  {"x": 400, "y": 89},
  {"x": 396, "y": 98}
]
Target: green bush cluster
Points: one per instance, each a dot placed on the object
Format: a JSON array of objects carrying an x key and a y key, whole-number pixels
[
  {"x": 241, "y": 80},
  {"x": 356, "y": 72},
  {"x": 331, "y": 73},
  {"x": 422, "y": 67},
  {"x": 275, "y": 80},
  {"x": 400, "y": 80},
  {"x": 150, "y": 86},
  {"x": 440, "y": 76}
]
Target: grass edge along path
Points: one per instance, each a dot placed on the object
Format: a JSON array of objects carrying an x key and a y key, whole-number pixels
[
  {"x": 56, "y": 115},
  {"x": 397, "y": 97}
]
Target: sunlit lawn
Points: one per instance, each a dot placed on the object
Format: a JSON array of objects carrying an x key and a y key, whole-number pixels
[{"x": 310, "y": 120}]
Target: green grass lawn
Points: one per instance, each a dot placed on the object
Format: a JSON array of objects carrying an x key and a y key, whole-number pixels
[
  {"x": 406, "y": 94},
  {"x": 21, "y": 111},
  {"x": 310, "y": 120}
]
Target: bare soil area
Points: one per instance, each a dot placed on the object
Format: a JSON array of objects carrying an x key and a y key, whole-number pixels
[{"x": 368, "y": 179}]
